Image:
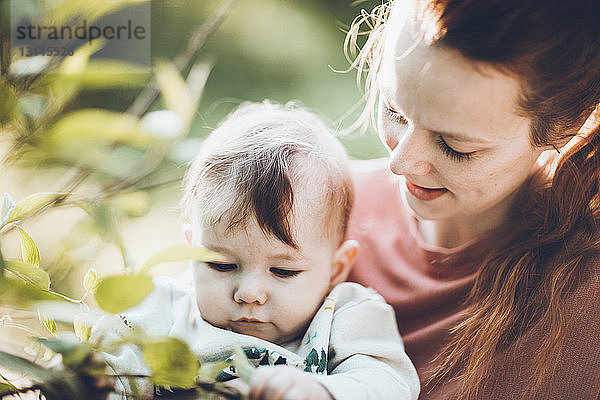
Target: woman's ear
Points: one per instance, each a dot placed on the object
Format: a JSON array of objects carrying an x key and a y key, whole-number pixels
[{"x": 342, "y": 262}]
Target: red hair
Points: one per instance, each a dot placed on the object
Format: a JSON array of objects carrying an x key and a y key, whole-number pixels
[{"x": 554, "y": 50}]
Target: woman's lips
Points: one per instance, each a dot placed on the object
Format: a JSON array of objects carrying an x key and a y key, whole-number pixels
[{"x": 422, "y": 193}]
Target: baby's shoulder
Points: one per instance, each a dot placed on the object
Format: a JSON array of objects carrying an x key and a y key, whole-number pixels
[{"x": 349, "y": 294}]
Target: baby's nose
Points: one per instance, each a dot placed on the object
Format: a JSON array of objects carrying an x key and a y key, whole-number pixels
[{"x": 250, "y": 291}]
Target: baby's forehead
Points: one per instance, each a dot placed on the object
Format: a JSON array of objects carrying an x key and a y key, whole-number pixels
[{"x": 309, "y": 219}]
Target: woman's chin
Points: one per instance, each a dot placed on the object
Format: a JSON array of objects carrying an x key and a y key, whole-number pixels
[{"x": 425, "y": 210}]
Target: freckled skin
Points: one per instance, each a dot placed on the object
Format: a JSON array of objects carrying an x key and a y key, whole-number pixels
[{"x": 438, "y": 91}]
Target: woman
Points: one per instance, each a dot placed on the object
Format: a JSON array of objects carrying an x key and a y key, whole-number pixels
[{"x": 485, "y": 237}]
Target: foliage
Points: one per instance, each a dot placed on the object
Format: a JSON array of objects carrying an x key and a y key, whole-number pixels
[{"x": 110, "y": 161}]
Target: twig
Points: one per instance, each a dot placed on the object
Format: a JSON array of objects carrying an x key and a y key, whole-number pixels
[
  {"x": 58, "y": 202},
  {"x": 195, "y": 43},
  {"x": 1, "y": 264},
  {"x": 4, "y": 56},
  {"x": 18, "y": 391},
  {"x": 76, "y": 180},
  {"x": 150, "y": 93}
]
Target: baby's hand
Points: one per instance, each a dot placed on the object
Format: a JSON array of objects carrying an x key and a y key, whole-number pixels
[{"x": 282, "y": 382}]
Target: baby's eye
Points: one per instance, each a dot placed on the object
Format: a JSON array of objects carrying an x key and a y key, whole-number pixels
[
  {"x": 284, "y": 273},
  {"x": 221, "y": 267}
]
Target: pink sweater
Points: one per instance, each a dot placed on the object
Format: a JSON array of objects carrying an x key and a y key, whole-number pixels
[{"x": 426, "y": 286}]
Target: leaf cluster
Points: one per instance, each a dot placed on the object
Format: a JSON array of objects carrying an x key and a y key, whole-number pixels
[{"x": 110, "y": 161}]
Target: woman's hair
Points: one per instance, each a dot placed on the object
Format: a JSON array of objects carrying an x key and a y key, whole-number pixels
[
  {"x": 250, "y": 164},
  {"x": 553, "y": 48}
]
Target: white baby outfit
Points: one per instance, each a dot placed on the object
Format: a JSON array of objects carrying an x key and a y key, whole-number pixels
[{"x": 352, "y": 344}]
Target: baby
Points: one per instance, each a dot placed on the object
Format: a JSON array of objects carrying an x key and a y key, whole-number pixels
[{"x": 270, "y": 191}]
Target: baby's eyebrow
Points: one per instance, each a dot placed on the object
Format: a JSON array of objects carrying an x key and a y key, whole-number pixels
[
  {"x": 286, "y": 257},
  {"x": 218, "y": 249}
]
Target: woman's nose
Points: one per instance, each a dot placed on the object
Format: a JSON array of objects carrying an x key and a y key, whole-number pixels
[
  {"x": 408, "y": 154},
  {"x": 250, "y": 290}
]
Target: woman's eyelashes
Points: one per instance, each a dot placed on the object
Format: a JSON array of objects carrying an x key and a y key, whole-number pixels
[
  {"x": 277, "y": 271},
  {"x": 450, "y": 152},
  {"x": 394, "y": 116},
  {"x": 446, "y": 149}
]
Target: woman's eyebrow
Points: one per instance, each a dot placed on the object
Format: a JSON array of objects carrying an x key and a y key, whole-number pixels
[{"x": 459, "y": 137}]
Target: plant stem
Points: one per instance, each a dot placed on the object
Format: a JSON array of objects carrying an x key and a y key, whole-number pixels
[
  {"x": 67, "y": 298},
  {"x": 1, "y": 263},
  {"x": 19, "y": 391},
  {"x": 150, "y": 93},
  {"x": 183, "y": 60}
]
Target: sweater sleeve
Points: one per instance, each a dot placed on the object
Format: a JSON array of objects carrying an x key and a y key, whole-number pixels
[{"x": 367, "y": 358}]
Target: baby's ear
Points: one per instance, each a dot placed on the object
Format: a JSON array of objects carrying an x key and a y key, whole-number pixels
[
  {"x": 343, "y": 259},
  {"x": 187, "y": 232}
]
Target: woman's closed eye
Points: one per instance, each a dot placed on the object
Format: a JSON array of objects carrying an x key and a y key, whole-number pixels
[
  {"x": 284, "y": 273},
  {"x": 450, "y": 152},
  {"x": 221, "y": 267}
]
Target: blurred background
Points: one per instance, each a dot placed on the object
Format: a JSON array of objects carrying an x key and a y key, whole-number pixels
[{"x": 282, "y": 50}]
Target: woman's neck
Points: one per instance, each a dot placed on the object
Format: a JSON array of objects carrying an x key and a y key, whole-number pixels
[{"x": 459, "y": 230}]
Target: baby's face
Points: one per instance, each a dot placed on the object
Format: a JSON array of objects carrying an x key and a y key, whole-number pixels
[{"x": 266, "y": 288}]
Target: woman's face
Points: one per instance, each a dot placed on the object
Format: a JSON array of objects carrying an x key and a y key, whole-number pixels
[{"x": 452, "y": 129}]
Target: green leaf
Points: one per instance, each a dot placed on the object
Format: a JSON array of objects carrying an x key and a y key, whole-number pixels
[
  {"x": 172, "y": 362},
  {"x": 64, "y": 83},
  {"x": 48, "y": 322},
  {"x": 69, "y": 312},
  {"x": 181, "y": 252},
  {"x": 82, "y": 329},
  {"x": 25, "y": 367},
  {"x": 29, "y": 273},
  {"x": 29, "y": 251},
  {"x": 133, "y": 204},
  {"x": 73, "y": 352},
  {"x": 16, "y": 293},
  {"x": 91, "y": 280},
  {"x": 8, "y": 206},
  {"x": 32, "y": 204},
  {"x": 119, "y": 292},
  {"x": 175, "y": 92},
  {"x": 77, "y": 63},
  {"x": 103, "y": 74},
  {"x": 103, "y": 221},
  {"x": 96, "y": 126},
  {"x": 8, "y": 103},
  {"x": 90, "y": 10},
  {"x": 5, "y": 388},
  {"x": 243, "y": 368},
  {"x": 210, "y": 371}
]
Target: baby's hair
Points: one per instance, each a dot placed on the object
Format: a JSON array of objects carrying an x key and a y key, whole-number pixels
[{"x": 249, "y": 165}]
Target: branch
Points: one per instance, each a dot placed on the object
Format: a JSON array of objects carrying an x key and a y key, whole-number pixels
[
  {"x": 18, "y": 391},
  {"x": 183, "y": 60},
  {"x": 150, "y": 93}
]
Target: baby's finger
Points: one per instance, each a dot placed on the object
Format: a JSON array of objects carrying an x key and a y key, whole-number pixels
[
  {"x": 297, "y": 393},
  {"x": 259, "y": 381},
  {"x": 269, "y": 384}
]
